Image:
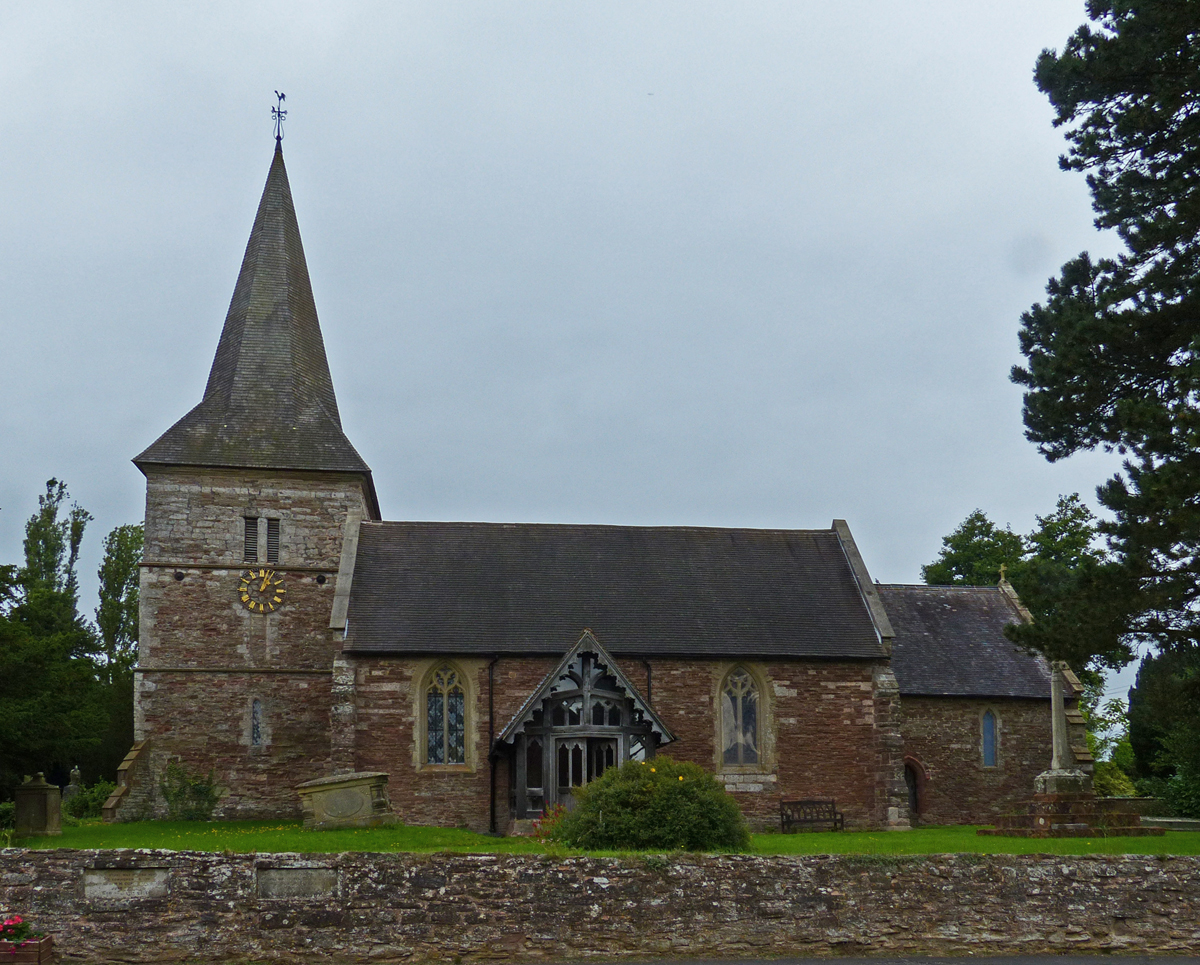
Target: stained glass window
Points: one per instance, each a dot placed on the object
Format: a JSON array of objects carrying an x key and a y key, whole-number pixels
[
  {"x": 445, "y": 719},
  {"x": 989, "y": 739},
  {"x": 256, "y": 724},
  {"x": 739, "y": 718}
]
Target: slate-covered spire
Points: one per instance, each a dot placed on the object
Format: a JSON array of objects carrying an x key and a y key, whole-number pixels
[{"x": 269, "y": 401}]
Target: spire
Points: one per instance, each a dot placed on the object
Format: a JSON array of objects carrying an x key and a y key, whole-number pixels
[{"x": 269, "y": 402}]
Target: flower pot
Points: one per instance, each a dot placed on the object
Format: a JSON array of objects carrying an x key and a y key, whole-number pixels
[{"x": 32, "y": 951}]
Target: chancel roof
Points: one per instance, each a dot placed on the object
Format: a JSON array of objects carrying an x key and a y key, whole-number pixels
[
  {"x": 950, "y": 642},
  {"x": 495, "y": 588},
  {"x": 269, "y": 401}
]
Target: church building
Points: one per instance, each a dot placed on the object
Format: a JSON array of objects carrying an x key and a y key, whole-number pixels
[{"x": 289, "y": 633}]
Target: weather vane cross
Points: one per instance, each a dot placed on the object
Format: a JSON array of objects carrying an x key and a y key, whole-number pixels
[{"x": 278, "y": 113}]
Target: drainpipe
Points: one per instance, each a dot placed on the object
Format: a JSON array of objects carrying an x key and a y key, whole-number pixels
[{"x": 492, "y": 743}]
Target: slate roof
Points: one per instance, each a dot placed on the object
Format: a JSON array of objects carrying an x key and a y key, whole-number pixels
[
  {"x": 269, "y": 402},
  {"x": 495, "y": 588},
  {"x": 950, "y": 642}
]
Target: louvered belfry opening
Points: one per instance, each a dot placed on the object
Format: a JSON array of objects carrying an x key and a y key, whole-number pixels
[
  {"x": 250, "y": 541},
  {"x": 272, "y": 541}
]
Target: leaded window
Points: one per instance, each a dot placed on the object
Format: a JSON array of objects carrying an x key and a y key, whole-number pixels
[
  {"x": 256, "y": 722},
  {"x": 989, "y": 739},
  {"x": 445, "y": 718},
  {"x": 739, "y": 719}
]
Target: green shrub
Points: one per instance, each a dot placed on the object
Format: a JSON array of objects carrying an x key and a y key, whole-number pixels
[
  {"x": 1182, "y": 794},
  {"x": 8, "y": 815},
  {"x": 1109, "y": 780},
  {"x": 189, "y": 797},
  {"x": 654, "y": 805},
  {"x": 89, "y": 801}
]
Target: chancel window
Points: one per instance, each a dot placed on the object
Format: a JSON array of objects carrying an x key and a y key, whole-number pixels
[
  {"x": 989, "y": 739},
  {"x": 739, "y": 719},
  {"x": 445, "y": 718}
]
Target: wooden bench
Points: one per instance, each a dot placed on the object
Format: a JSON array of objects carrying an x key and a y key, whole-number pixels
[{"x": 810, "y": 815}]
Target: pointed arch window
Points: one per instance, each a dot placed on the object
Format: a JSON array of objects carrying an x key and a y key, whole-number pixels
[
  {"x": 445, "y": 718},
  {"x": 988, "y": 739},
  {"x": 739, "y": 719}
]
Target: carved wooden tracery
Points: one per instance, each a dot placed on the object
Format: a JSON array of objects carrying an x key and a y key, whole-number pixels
[{"x": 585, "y": 724}]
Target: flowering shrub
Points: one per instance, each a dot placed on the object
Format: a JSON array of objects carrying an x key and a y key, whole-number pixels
[
  {"x": 545, "y": 828},
  {"x": 659, "y": 804},
  {"x": 17, "y": 930}
]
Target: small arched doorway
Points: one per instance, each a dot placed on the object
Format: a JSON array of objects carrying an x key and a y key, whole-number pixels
[
  {"x": 915, "y": 778},
  {"x": 914, "y": 798}
]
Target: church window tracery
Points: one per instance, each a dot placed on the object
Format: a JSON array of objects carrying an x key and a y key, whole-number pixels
[
  {"x": 739, "y": 718},
  {"x": 445, "y": 718}
]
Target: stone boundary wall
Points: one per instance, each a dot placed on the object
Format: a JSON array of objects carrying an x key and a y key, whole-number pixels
[{"x": 164, "y": 906}]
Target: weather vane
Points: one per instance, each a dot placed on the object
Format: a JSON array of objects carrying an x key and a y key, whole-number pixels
[{"x": 278, "y": 113}]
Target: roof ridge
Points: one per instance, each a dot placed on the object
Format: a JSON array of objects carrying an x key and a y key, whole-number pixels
[{"x": 625, "y": 526}]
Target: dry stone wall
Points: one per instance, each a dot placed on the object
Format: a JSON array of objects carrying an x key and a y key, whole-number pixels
[{"x": 163, "y": 906}]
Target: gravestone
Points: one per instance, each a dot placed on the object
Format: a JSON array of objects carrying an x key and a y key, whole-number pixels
[
  {"x": 75, "y": 786},
  {"x": 355, "y": 800},
  {"x": 39, "y": 808}
]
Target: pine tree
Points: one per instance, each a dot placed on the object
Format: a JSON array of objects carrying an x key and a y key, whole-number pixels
[{"x": 1113, "y": 354}]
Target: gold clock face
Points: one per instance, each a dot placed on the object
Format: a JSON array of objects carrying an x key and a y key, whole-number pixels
[{"x": 261, "y": 590}]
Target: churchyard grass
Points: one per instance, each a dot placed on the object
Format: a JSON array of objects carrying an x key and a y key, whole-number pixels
[{"x": 277, "y": 836}]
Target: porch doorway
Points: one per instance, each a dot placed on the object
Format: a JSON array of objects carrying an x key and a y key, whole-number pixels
[{"x": 582, "y": 723}]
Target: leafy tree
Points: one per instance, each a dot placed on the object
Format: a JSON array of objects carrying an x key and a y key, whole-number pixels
[
  {"x": 54, "y": 709},
  {"x": 1057, "y": 570},
  {"x": 117, "y": 614},
  {"x": 46, "y": 597},
  {"x": 1113, "y": 354},
  {"x": 973, "y": 554}
]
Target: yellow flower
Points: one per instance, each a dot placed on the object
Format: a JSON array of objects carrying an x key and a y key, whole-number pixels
[
  {"x": 681, "y": 777},
  {"x": 652, "y": 771}
]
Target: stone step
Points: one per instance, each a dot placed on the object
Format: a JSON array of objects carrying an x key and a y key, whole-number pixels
[{"x": 1172, "y": 824}]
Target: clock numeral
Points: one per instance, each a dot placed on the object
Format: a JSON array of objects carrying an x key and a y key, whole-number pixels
[
  {"x": 278, "y": 599},
  {"x": 245, "y": 598}
]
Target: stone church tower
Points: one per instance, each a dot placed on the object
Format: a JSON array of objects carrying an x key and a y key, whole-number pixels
[{"x": 247, "y": 498}]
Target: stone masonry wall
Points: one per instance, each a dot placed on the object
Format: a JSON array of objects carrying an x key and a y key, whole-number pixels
[
  {"x": 943, "y": 741},
  {"x": 158, "y": 906},
  {"x": 204, "y": 658},
  {"x": 823, "y": 735}
]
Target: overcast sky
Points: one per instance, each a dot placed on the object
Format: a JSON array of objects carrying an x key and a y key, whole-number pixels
[{"x": 737, "y": 264}]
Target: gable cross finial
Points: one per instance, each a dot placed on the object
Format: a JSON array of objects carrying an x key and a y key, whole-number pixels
[
  {"x": 278, "y": 113},
  {"x": 1003, "y": 571}
]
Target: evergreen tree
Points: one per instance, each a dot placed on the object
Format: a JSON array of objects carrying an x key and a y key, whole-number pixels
[{"x": 1113, "y": 355}]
